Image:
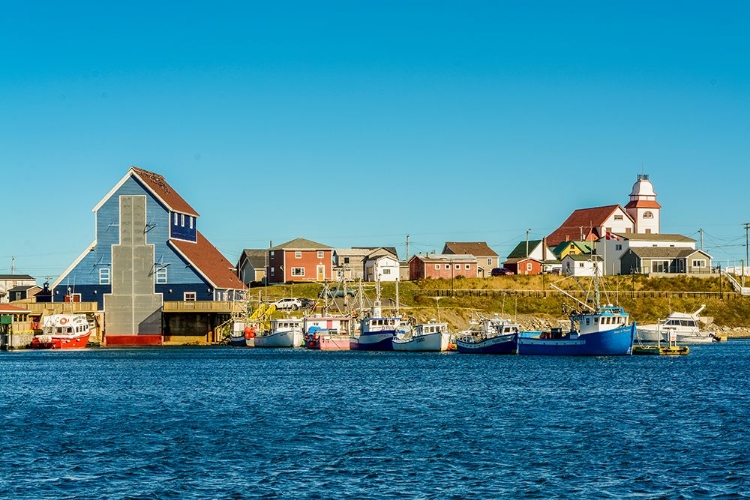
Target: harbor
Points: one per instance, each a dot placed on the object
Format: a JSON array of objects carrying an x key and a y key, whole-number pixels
[{"x": 372, "y": 424}]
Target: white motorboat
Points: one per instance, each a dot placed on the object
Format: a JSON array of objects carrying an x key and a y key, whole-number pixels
[{"x": 683, "y": 328}]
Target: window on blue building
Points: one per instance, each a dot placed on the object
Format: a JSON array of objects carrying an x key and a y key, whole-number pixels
[
  {"x": 161, "y": 276},
  {"x": 104, "y": 276}
]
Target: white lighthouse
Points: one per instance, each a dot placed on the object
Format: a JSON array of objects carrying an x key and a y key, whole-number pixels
[{"x": 643, "y": 207}]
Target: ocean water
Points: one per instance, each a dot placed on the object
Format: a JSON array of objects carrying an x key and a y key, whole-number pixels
[{"x": 226, "y": 422}]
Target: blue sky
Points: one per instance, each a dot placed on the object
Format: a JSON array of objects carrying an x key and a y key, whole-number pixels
[{"x": 357, "y": 123}]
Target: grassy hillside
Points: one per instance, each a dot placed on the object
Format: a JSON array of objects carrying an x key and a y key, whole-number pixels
[{"x": 533, "y": 298}]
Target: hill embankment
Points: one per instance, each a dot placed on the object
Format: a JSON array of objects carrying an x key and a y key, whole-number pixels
[{"x": 537, "y": 302}]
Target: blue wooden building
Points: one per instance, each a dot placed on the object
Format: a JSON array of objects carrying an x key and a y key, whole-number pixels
[{"x": 147, "y": 250}]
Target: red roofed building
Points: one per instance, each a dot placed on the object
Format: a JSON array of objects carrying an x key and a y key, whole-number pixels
[
  {"x": 147, "y": 251},
  {"x": 590, "y": 224},
  {"x": 641, "y": 215}
]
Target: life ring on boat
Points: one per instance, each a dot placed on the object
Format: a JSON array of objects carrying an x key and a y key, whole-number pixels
[{"x": 63, "y": 321}]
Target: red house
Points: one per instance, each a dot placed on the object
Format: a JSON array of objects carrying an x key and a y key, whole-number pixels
[
  {"x": 447, "y": 266},
  {"x": 524, "y": 265},
  {"x": 300, "y": 260}
]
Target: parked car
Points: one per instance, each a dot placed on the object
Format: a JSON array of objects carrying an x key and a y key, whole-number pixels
[
  {"x": 501, "y": 271},
  {"x": 288, "y": 303},
  {"x": 338, "y": 293},
  {"x": 307, "y": 303}
]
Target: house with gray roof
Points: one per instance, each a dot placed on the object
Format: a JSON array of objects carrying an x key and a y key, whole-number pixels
[
  {"x": 251, "y": 268},
  {"x": 635, "y": 253},
  {"x": 300, "y": 260}
]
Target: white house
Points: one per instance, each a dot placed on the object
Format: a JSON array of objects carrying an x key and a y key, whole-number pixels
[
  {"x": 382, "y": 267},
  {"x": 624, "y": 254},
  {"x": 581, "y": 265}
]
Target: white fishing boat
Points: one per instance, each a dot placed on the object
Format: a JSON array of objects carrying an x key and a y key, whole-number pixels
[
  {"x": 432, "y": 336},
  {"x": 686, "y": 327},
  {"x": 284, "y": 332},
  {"x": 63, "y": 331}
]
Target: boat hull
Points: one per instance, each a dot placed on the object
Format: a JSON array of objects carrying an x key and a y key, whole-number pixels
[
  {"x": 334, "y": 343},
  {"x": 436, "y": 342},
  {"x": 375, "y": 341},
  {"x": 651, "y": 335},
  {"x": 614, "y": 342},
  {"x": 500, "y": 344},
  {"x": 60, "y": 342},
  {"x": 280, "y": 339}
]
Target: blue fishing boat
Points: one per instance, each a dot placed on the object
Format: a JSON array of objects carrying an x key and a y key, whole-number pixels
[
  {"x": 598, "y": 330},
  {"x": 493, "y": 335},
  {"x": 376, "y": 332}
]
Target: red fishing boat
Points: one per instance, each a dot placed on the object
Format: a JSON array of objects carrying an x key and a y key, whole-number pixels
[{"x": 63, "y": 331}]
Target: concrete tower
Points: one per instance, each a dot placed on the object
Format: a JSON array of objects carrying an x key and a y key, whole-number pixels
[{"x": 643, "y": 207}]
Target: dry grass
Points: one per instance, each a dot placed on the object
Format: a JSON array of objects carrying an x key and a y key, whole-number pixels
[{"x": 532, "y": 299}]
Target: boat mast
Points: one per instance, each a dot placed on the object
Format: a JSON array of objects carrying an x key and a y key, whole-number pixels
[{"x": 397, "y": 303}]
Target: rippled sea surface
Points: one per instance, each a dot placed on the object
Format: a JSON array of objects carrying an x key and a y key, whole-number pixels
[{"x": 237, "y": 423}]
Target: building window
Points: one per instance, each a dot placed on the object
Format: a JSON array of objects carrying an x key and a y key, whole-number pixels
[
  {"x": 346, "y": 260},
  {"x": 321, "y": 254},
  {"x": 437, "y": 267},
  {"x": 104, "y": 276},
  {"x": 190, "y": 219},
  {"x": 618, "y": 217},
  {"x": 298, "y": 271},
  {"x": 648, "y": 231},
  {"x": 447, "y": 266},
  {"x": 699, "y": 263},
  {"x": 189, "y": 297},
  {"x": 386, "y": 271},
  {"x": 182, "y": 220},
  {"x": 175, "y": 218},
  {"x": 618, "y": 246},
  {"x": 161, "y": 276},
  {"x": 528, "y": 266},
  {"x": 660, "y": 266},
  {"x": 648, "y": 215},
  {"x": 489, "y": 261},
  {"x": 273, "y": 271},
  {"x": 272, "y": 254},
  {"x": 458, "y": 266},
  {"x": 298, "y": 254},
  {"x": 467, "y": 266}
]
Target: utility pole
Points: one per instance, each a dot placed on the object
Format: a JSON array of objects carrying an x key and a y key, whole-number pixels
[
  {"x": 407, "y": 248},
  {"x": 527, "y": 243},
  {"x": 701, "y": 233},
  {"x": 747, "y": 226}
]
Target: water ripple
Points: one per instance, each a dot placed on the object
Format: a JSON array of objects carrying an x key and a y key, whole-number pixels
[{"x": 255, "y": 423}]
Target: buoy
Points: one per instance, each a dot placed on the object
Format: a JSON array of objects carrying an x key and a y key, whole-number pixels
[
  {"x": 249, "y": 332},
  {"x": 63, "y": 321}
]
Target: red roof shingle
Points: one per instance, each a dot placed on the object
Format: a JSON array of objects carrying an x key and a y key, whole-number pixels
[
  {"x": 209, "y": 262},
  {"x": 158, "y": 185},
  {"x": 578, "y": 227}
]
